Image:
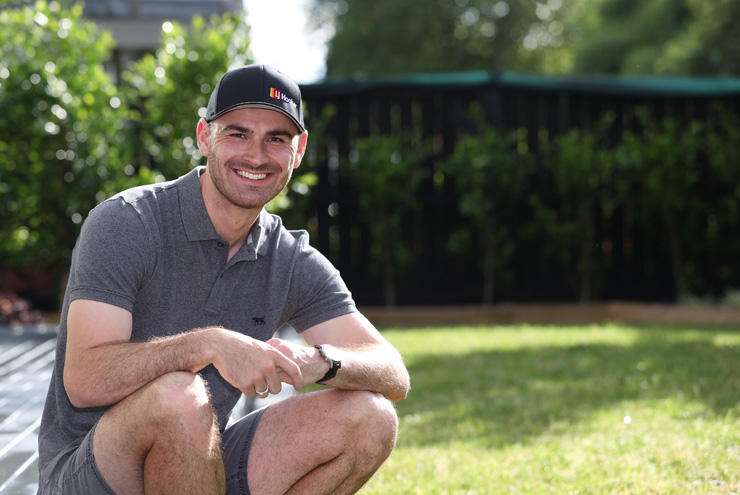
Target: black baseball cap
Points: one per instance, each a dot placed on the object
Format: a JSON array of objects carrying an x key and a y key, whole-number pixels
[{"x": 259, "y": 86}]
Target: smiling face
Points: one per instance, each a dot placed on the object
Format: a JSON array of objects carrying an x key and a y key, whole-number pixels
[{"x": 251, "y": 154}]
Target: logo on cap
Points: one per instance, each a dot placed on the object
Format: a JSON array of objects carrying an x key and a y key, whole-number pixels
[{"x": 279, "y": 95}]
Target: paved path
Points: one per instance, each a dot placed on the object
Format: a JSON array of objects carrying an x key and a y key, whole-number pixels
[{"x": 26, "y": 363}]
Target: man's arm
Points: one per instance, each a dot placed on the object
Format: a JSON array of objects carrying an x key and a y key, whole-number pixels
[
  {"x": 102, "y": 367},
  {"x": 369, "y": 361}
]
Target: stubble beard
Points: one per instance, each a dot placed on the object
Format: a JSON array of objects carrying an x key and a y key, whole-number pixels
[{"x": 219, "y": 172}]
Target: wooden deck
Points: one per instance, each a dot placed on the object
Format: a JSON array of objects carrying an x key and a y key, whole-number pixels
[{"x": 26, "y": 363}]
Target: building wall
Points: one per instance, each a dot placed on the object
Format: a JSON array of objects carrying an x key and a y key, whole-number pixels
[{"x": 136, "y": 24}]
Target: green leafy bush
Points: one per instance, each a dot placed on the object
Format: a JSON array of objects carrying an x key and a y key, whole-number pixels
[
  {"x": 581, "y": 170},
  {"x": 663, "y": 163},
  {"x": 60, "y": 131},
  {"x": 386, "y": 172},
  {"x": 490, "y": 170}
]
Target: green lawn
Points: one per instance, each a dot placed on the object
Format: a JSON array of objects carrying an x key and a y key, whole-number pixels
[{"x": 565, "y": 410}]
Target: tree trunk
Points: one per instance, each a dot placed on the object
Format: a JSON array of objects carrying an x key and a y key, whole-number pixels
[
  {"x": 389, "y": 272},
  {"x": 489, "y": 272},
  {"x": 674, "y": 240},
  {"x": 585, "y": 257}
]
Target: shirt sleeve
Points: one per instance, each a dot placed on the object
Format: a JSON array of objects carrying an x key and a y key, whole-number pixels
[
  {"x": 113, "y": 256},
  {"x": 317, "y": 292}
]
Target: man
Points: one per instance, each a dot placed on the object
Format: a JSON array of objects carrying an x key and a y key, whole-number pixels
[{"x": 175, "y": 291}]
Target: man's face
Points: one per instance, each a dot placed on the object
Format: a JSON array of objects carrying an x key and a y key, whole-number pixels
[{"x": 251, "y": 154}]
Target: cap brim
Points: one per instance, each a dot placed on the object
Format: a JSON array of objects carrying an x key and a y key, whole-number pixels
[{"x": 260, "y": 104}]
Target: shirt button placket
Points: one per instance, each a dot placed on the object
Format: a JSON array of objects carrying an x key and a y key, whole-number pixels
[{"x": 213, "y": 306}]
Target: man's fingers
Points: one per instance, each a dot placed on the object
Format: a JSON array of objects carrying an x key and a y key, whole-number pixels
[
  {"x": 284, "y": 376},
  {"x": 291, "y": 369},
  {"x": 282, "y": 346},
  {"x": 273, "y": 382}
]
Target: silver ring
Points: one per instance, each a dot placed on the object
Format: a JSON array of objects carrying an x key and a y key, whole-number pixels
[{"x": 262, "y": 393}]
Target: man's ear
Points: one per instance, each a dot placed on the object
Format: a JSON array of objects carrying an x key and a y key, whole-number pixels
[
  {"x": 302, "y": 144},
  {"x": 203, "y": 136}
]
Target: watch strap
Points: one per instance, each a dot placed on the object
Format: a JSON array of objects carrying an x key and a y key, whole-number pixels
[{"x": 334, "y": 365}]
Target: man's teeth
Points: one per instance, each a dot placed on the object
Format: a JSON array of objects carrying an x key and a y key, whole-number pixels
[{"x": 250, "y": 175}]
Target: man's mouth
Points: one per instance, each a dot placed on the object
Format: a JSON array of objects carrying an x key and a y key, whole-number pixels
[{"x": 250, "y": 175}]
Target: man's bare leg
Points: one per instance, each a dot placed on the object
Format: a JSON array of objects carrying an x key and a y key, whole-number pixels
[
  {"x": 163, "y": 438},
  {"x": 330, "y": 441}
]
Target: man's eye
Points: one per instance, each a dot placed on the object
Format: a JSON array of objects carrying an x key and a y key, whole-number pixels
[
  {"x": 238, "y": 135},
  {"x": 277, "y": 139}
]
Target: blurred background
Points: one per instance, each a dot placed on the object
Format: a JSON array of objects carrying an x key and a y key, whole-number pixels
[{"x": 461, "y": 151}]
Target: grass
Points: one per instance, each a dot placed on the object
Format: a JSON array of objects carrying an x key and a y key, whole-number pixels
[{"x": 567, "y": 410}]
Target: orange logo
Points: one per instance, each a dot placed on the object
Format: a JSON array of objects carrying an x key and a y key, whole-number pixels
[{"x": 276, "y": 94}]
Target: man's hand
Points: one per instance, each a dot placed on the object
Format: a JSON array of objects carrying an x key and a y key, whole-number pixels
[
  {"x": 313, "y": 366},
  {"x": 253, "y": 366}
]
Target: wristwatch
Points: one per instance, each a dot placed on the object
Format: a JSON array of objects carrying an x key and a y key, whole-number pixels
[{"x": 334, "y": 365}]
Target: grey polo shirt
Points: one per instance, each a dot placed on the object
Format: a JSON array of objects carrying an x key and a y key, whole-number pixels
[{"x": 153, "y": 251}]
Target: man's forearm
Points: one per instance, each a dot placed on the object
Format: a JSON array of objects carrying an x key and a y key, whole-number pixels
[
  {"x": 375, "y": 367},
  {"x": 110, "y": 372}
]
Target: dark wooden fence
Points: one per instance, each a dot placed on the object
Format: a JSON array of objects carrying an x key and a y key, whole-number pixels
[{"x": 438, "y": 106}]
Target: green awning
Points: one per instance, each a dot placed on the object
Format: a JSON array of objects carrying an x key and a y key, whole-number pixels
[{"x": 595, "y": 84}]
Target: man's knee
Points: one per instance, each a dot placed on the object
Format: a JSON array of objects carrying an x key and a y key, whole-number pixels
[
  {"x": 173, "y": 408},
  {"x": 372, "y": 421},
  {"x": 181, "y": 397}
]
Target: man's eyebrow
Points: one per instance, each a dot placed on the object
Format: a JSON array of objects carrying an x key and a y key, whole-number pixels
[
  {"x": 281, "y": 132},
  {"x": 274, "y": 132},
  {"x": 235, "y": 127}
]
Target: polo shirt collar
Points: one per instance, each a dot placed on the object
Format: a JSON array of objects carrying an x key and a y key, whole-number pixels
[
  {"x": 257, "y": 237},
  {"x": 198, "y": 225}
]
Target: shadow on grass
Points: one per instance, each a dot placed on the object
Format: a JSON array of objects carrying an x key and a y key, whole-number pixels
[{"x": 496, "y": 398}]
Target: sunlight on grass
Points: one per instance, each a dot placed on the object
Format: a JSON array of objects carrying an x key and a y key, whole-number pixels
[
  {"x": 466, "y": 339},
  {"x": 591, "y": 409}
]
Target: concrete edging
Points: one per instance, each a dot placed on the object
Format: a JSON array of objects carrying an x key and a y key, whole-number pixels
[
  {"x": 522, "y": 313},
  {"x": 513, "y": 313}
]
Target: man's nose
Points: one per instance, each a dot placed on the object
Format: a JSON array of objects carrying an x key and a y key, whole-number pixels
[{"x": 254, "y": 152}]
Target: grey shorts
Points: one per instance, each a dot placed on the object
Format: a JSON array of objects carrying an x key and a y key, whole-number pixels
[{"x": 77, "y": 473}]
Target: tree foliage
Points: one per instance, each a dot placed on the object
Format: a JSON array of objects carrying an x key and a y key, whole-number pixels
[
  {"x": 542, "y": 36},
  {"x": 384, "y": 169},
  {"x": 655, "y": 37},
  {"x": 582, "y": 173},
  {"x": 60, "y": 130},
  {"x": 406, "y": 36},
  {"x": 663, "y": 161},
  {"x": 660, "y": 199},
  {"x": 491, "y": 170}
]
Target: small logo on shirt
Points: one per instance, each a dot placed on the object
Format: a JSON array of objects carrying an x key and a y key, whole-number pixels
[{"x": 258, "y": 321}]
